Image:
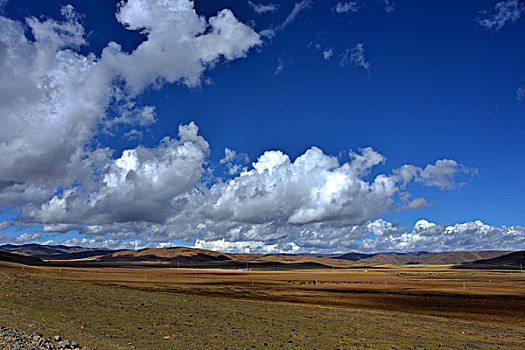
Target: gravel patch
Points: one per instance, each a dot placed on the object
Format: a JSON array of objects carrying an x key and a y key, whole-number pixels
[{"x": 14, "y": 339}]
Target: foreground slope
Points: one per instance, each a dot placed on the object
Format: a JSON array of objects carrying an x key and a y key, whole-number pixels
[{"x": 109, "y": 317}]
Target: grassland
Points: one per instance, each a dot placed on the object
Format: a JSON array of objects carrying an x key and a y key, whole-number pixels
[{"x": 385, "y": 308}]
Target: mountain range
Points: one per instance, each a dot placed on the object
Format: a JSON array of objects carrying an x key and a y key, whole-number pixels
[{"x": 36, "y": 254}]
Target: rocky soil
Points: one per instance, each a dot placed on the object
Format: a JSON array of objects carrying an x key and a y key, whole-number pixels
[{"x": 14, "y": 339}]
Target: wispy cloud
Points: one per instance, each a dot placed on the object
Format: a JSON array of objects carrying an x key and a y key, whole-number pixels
[
  {"x": 280, "y": 66},
  {"x": 345, "y": 7},
  {"x": 328, "y": 53},
  {"x": 520, "y": 94},
  {"x": 262, "y": 8},
  {"x": 298, "y": 7},
  {"x": 504, "y": 12},
  {"x": 389, "y": 6},
  {"x": 355, "y": 56}
]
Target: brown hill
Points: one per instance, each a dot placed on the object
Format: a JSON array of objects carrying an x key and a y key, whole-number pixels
[
  {"x": 447, "y": 258},
  {"x": 20, "y": 259},
  {"x": 172, "y": 254},
  {"x": 514, "y": 260},
  {"x": 53, "y": 252}
]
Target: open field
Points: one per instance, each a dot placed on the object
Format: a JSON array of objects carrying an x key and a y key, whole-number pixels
[{"x": 402, "y": 307}]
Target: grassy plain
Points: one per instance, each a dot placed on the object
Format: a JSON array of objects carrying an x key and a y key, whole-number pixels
[{"x": 383, "y": 308}]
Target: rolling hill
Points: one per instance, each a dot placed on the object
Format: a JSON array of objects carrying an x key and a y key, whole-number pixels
[
  {"x": 53, "y": 252},
  {"x": 425, "y": 258},
  {"x": 195, "y": 257},
  {"x": 514, "y": 260},
  {"x": 20, "y": 259}
]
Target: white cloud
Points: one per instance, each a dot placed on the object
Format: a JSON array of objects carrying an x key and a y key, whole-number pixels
[
  {"x": 504, "y": 12},
  {"x": 180, "y": 44},
  {"x": 328, "y": 53},
  {"x": 298, "y": 7},
  {"x": 162, "y": 194},
  {"x": 234, "y": 162},
  {"x": 237, "y": 247},
  {"x": 345, "y": 7},
  {"x": 28, "y": 237},
  {"x": 261, "y": 8},
  {"x": 141, "y": 185},
  {"x": 356, "y": 57},
  {"x": 427, "y": 236},
  {"x": 54, "y": 100},
  {"x": 389, "y": 6},
  {"x": 280, "y": 66},
  {"x": 4, "y": 225},
  {"x": 520, "y": 94},
  {"x": 48, "y": 105},
  {"x": 441, "y": 174}
]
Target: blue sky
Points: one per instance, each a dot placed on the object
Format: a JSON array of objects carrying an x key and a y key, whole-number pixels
[{"x": 419, "y": 83}]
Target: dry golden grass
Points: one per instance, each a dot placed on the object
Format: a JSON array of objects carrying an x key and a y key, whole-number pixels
[
  {"x": 491, "y": 297},
  {"x": 142, "y": 308}
]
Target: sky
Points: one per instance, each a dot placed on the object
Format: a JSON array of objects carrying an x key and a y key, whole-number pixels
[{"x": 275, "y": 126}]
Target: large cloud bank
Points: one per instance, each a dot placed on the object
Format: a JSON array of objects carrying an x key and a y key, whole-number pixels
[{"x": 55, "y": 101}]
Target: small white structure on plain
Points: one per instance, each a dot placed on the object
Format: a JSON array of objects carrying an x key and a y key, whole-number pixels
[
  {"x": 463, "y": 285},
  {"x": 252, "y": 281}
]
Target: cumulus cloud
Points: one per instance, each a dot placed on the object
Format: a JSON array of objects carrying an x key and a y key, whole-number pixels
[
  {"x": 53, "y": 100},
  {"x": 428, "y": 236},
  {"x": 355, "y": 56},
  {"x": 141, "y": 185},
  {"x": 313, "y": 188},
  {"x": 504, "y": 12},
  {"x": 234, "y": 162},
  {"x": 345, "y": 7},
  {"x": 423, "y": 236},
  {"x": 180, "y": 44},
  {"x": 161, "y": 194},
  {"x": 28, "y": 237},
  {"x": 262, "y": 8},
  {"x": 48, "y": 105},
  {"x": 246, "y": 246}
]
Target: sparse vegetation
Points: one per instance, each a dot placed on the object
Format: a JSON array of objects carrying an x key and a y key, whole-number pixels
[{"x": 173, "y": 308}]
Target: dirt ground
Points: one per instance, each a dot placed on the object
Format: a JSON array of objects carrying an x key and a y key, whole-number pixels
[{"x": 385, "y": 307}]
